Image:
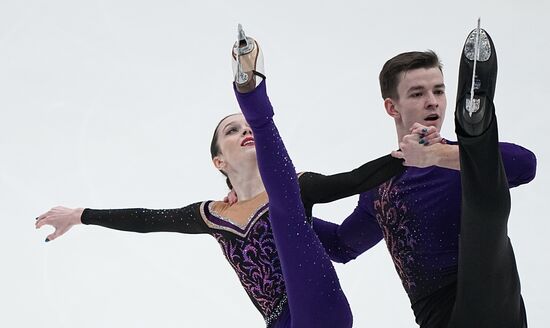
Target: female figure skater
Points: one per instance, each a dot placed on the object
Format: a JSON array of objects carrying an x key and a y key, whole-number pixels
[{"x": 266, "y": 236}]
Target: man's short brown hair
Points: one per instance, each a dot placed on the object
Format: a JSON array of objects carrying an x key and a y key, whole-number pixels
[{"x": 389, "y": 76}]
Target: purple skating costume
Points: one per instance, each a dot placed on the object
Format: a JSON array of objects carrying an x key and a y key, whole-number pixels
[
  {"x": 250, "y": 250},
  {"x": 418, "y": 214},
  {"x": 275, "y": 264}
]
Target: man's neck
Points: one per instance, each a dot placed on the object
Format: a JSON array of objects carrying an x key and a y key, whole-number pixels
[{"x": 400, "y": 135}]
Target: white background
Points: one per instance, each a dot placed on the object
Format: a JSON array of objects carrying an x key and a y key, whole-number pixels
[{"x": 111, "y": 104}]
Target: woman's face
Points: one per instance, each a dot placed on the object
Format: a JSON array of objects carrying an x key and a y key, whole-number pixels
[{"x": 236, "y": 143}]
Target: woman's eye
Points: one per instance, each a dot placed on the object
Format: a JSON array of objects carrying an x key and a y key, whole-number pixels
[{"x": 231, "y": 130}]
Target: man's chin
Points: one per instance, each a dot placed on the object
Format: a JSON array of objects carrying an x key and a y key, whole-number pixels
[{"x": 435, "y": 123}]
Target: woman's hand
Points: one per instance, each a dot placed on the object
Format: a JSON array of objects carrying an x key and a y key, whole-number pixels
[
  {"x": 428, "y": 135},
  {"x": 61, "y": 218},
  {"x": 413, "y": 147},
  {"x": 231, "y": 197}
]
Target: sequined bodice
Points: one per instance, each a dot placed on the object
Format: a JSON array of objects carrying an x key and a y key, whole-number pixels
[
  {"x": 419, "y": 214},
  {"x": 251, "y": 251}
]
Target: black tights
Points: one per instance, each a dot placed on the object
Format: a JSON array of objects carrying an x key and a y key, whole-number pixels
[{"x": 488, "y": 290}]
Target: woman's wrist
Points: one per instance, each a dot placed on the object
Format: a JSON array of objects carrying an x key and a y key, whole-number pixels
[{"x": 77, "y": 215}]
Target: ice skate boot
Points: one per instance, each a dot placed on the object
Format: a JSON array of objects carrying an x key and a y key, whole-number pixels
[{"x": 248, "y": 63}]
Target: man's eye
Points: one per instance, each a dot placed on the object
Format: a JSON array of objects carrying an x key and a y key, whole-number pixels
[{"x": 416, "y": 94}]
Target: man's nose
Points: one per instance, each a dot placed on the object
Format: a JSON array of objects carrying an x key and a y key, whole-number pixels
[{"x": 432, "y": 100}]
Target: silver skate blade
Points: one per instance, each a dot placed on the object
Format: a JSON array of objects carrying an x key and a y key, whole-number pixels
[
  {"x": 471, "y": 108},
  {"x": 244, "y": 44},
  {"x": 472, "y": 105},
  {"x": 240, "y": 33},
  {"x": 478, "y": 37}
]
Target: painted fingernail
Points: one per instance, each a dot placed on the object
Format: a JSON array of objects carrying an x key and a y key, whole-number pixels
[
  {"x": 421, "y": 141},
  {"x": 47, "y": 240},
  {"x": 424, "y": 130}
]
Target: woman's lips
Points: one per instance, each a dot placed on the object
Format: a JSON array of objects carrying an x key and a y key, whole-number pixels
[{"x": 248, "y": 141}]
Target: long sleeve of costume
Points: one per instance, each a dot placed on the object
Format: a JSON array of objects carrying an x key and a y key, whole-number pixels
[
  {"x": 185, "y": 220},
  {"x": 317, "y": 188},
  {"x": 520, "y": 164},
  {"x": 357, "y": 233},
  {"x": 360, "y": 231},
  {"x": 345, "y": 242}
]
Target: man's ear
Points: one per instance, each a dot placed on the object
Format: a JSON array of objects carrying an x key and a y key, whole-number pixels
[
  {"x": 219, "y": 163},
  {"x": 392, "y": 111}
]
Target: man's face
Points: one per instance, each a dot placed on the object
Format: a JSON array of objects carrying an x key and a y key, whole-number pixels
[{"x": 422, "y": 99}]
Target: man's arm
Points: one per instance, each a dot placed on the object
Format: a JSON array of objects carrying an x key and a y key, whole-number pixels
[
  {"x": 519, "y": 163},
  {"x": 358, "y": 233},
  {"x": 418, "y": 155}
]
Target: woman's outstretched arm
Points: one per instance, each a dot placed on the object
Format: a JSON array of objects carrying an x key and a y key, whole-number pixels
[{"x": 184, "y": 220}]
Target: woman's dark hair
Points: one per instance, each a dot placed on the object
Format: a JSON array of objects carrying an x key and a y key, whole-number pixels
[{"x": 215, "y": 149}]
